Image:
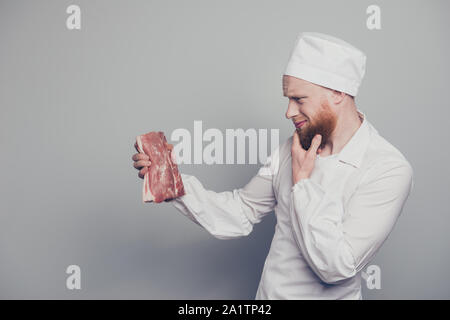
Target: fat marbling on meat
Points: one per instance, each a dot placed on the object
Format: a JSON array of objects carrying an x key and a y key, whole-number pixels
[{"x": 162, "y": 181}]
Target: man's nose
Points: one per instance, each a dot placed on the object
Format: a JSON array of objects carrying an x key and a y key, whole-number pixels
[{"x": 291, "y": 110}]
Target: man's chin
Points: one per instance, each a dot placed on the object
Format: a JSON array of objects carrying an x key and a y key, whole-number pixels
[{"x": 303, "y": 137}]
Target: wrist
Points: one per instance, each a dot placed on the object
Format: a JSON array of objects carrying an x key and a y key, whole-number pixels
[{"x": 300, "y": 177}]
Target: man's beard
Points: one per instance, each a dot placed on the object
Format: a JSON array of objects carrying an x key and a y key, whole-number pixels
[{"x": 323, "y": 124}]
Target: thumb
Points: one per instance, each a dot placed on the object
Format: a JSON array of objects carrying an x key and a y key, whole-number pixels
[{"x": 316, "y": 142}]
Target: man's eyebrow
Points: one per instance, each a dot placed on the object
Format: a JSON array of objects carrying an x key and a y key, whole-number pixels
[{"x": 295, "y": 97}]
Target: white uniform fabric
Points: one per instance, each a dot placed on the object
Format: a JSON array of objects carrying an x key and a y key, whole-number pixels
[
  {"x": 328, "y": 226},
  {"x": 327, "y": 61}
]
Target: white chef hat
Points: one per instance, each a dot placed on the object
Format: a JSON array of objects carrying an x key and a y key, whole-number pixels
[{"x": 327, "y": 61}]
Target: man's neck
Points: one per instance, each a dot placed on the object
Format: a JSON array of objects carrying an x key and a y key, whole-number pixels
[{"x": 345, "y": 129}]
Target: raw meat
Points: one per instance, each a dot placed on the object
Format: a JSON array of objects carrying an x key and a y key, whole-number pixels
[{"x": 162, "y": 181}]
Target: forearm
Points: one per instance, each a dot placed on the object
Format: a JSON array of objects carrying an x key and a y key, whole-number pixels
[
  {"x": 318, "y": 228},
  {"x": 220, "y": 213}
]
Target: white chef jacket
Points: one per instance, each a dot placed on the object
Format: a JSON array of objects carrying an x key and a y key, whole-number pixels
[{"x": 329, "y": 226}]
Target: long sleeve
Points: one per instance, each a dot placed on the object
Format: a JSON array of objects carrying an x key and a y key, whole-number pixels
[
  {"x": 229, "y": 214},
  {"x": 338, "y": 242}
]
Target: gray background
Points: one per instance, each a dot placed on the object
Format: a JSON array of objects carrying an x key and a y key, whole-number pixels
[{"x": 72, "y": 103}]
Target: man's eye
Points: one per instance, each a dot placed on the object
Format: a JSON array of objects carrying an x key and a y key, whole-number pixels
[{"x": 298, "y": 100}]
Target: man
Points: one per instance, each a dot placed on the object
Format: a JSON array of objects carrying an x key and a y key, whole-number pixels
[{"x": 337, "y": 186}]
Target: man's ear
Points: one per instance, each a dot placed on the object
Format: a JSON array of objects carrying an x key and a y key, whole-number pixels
[{"x": 337, "y": 96}]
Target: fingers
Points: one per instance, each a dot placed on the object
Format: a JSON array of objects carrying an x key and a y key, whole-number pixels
[
  {"x": 142, "y": 172},
  {"x": 295, "y": 140},
  {"x": 140, "y": 156},
  {"x": 141, "y": 163},
  {"x": 295, "y": 135},
  {"x": 296, "y": 145}
]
